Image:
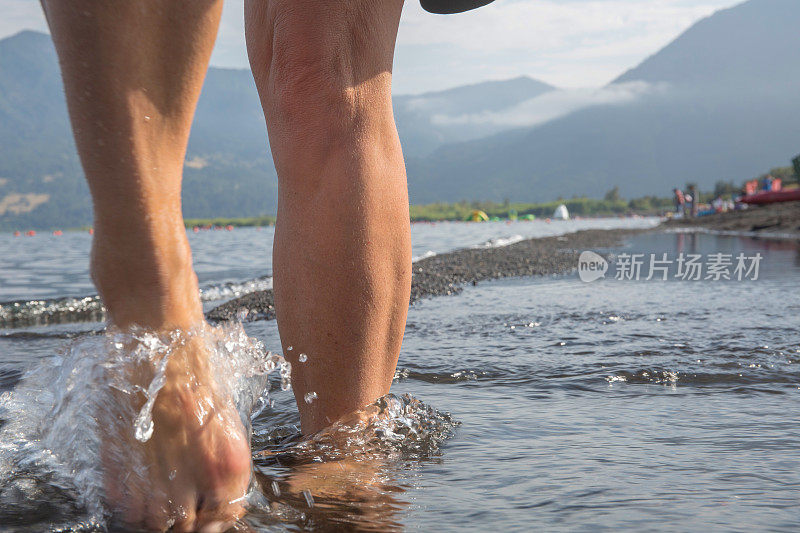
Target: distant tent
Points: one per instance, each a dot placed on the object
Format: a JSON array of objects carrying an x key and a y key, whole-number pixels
[
  {"x": 478, "y": 216},
  {"x": 561, "y": 213}
]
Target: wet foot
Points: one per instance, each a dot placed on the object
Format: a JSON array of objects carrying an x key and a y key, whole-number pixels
[{"x": 193, "y": 471}]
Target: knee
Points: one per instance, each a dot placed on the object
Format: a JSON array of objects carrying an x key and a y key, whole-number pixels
[
  {"x": 321, "y": 72},
  {"x": 310, "y": 86}
]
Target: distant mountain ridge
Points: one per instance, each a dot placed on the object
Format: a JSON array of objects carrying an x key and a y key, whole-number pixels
[
  {"x": 229, "y": 170},
  {"x": 722, "y": 105},
  {"x": 719, "y": 102}
]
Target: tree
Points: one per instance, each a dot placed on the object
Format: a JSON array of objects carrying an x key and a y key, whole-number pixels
[
  {"x": 786, "y": 174},
  {"x": 613, "y": 195},
  {"x": 796, "y": 164},
  {"x": 725, "y": 188}
]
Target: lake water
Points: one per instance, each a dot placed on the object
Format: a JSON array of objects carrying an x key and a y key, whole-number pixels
[{"x": 669, "y": 405}]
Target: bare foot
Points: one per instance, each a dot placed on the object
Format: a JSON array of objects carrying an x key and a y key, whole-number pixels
[{"x": 196, "y": 464}]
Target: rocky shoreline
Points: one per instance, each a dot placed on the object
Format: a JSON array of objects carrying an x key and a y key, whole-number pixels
[
  {"x": 781, "y": 219},
  {"x": 449, "y": 272}
]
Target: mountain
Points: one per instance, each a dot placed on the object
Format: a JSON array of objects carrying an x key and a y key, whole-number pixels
[
  {"x": 38, "y": 164},
  {"x": 720, "y": 102},
  {"x": 751, "y": 43},
  {"x": 229, "y": 170}
]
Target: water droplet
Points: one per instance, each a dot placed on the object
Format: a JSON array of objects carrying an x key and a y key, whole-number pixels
[
  {"x": 172, "y": 474},
  {"x": 289, "y": 348},
  {"x": 302, "y": 358},
  {"x": 146, "y": 117},
  {"x": 275, "y": 489},
  {"x": 310, "y": 397},
  {"x": 144, "y": 430}
]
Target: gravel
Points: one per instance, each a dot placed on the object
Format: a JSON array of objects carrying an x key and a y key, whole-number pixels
[{"x": 448, "y": 273}]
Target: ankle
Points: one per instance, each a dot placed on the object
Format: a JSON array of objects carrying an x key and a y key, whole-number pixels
[{"x": 146, "y": 278}]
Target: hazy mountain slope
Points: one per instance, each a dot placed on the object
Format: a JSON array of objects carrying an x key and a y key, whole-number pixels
[
  {"x": 37, "y": 153},
  {"x": 705, "y": 117},
  {"x": 229, "y": 169},
  {"x": 645, "y": 148},
  {"x": 720, "y": 102},
  {"x": 752, "y": 43}
]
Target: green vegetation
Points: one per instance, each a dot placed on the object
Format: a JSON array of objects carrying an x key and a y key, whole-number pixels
[
  {"x": 611, "y": 205},
  {"x": 648, "y": 205},
  {"x": 788, "y": 175},
  {"x": 266, "y": 220}
]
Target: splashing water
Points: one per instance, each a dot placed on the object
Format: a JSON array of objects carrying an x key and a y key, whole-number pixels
[
  {"x": 57, "y": 416},
  {"x": 103, "y": 388},
  {"x": 392, "y": 427},
  {"x": 350, "y": 475}
]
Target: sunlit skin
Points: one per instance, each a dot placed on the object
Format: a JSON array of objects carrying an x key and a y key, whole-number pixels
[{"x": 133, "y": 70}]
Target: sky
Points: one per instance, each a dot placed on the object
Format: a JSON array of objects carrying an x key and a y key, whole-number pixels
[{"x": 575, "y": 44}]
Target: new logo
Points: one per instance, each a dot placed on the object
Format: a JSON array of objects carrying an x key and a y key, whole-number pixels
[{"x": 591, "y": 266}]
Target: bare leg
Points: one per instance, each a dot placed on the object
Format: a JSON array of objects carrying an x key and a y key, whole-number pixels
[
  {"x": 132, "y": 71},
  {"x": 342, "y": 255}
]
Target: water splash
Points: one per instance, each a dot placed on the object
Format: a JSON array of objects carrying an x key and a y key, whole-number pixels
[
  {"x": 51, "y": 446},
  {"x": 393, "y": 427},
  {"x": 351, "y": 475},
  {"x": 56, "y": 416}
]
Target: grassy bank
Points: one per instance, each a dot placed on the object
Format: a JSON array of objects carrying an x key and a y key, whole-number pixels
[
  {"x": 585, "y": 207},
  {"x": 267, "y": 220}
]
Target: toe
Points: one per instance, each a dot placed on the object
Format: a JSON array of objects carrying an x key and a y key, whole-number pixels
[{"x": 184, "y": 514}]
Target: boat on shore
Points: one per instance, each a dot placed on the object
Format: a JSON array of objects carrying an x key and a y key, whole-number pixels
[{"x": 771, "y": 197}]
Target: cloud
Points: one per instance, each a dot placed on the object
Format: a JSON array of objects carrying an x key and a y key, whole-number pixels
[
  {"x": 552, "y": 105},
  {"x": 569, "y": 43},
  {"x": 20, "y": 15}
]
